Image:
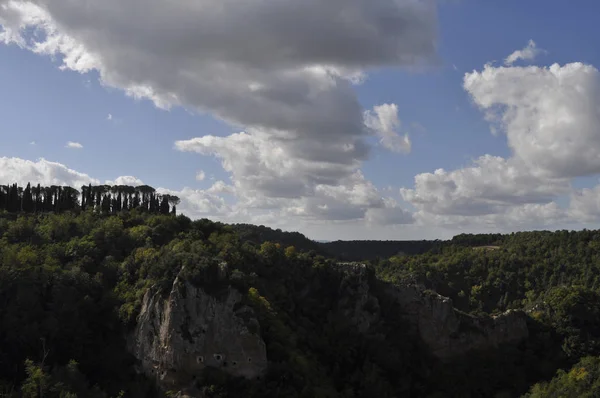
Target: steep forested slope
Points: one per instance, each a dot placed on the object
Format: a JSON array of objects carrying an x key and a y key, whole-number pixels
[{"x": 72, "y": 282}]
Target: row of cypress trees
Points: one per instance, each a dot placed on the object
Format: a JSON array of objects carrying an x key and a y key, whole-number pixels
[{"x": 103, "y": 198}]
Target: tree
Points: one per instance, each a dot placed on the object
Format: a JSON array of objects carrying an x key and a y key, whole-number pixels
[
  {"x": 174, "y": 201},
  {"x": 27, "y": 199}
]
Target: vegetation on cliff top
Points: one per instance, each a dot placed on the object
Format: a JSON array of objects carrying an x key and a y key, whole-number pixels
[{"x": 72, "y": 280}]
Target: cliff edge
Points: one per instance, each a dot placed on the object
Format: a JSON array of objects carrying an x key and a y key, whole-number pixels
[{"x": 178, "y": 336}]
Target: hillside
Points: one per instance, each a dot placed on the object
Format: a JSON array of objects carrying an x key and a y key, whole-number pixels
[
  {"x": 104, "y": 302},
  {"x": 343, "y": 250}
]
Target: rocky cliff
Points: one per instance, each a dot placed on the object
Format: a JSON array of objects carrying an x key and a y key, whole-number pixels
[
  {"x": 445, "y": 331},
  {"x": 448, "y": 332},
  {"x": 180, "y": 335}
]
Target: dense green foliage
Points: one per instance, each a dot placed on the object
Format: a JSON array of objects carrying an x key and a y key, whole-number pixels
[
  {"x": 71, "y": 285},
  {"x": 582, "y": 381},
  {"x": 374, "y": 249},
  {"x": 555, "y": 276},
  {"x": 260, "y": 234}
]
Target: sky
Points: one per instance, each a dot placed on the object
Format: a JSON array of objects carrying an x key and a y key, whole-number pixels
[{"x": 341, "y": 119}]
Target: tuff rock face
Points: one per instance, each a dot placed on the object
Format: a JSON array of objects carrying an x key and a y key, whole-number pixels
[
  {"x": 449, "y": 333},
  {"x": 178, "y": 336},
  {"x": 446, "y": 331},
  {"x": 361, "y": 307}
]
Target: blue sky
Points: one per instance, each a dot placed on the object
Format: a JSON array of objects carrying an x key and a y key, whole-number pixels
[{"x": 444, "y": 120}]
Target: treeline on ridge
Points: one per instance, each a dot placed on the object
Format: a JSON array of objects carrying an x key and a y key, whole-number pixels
[{"x": 108, "y": 199}]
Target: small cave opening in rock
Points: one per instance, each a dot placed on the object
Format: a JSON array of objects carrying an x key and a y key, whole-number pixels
[
  {"x": 249, "y": 359},
  {"x": 218, "y": 357},
  {"x": 234, "y": 363},
  {"x": 200, "y": 359}
]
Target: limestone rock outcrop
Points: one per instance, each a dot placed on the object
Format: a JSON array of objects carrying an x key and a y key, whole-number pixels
[
  {"x": 449, "y": 333},
  {"x": 178, "y": 336},
  {"x": 181, "y": 333},
  {"x": 446, "y": 332}
]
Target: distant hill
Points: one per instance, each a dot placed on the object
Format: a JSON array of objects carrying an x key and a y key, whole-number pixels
[
  {"x": 372, "y": 249},
  {"x": 259, "y": 233},
  {"x": 344, "y": 250}
]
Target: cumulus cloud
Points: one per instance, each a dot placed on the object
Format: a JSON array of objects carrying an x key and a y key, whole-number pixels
[
  {"x": 260, "y": 166},
  {"x": 289, "y": 84},
  {"x": 551, "y": 116},
  {"x": 390, "y": 214},
  {"x": 265, "y": 177},
  {"x": 490, "y": 186},
  {"x": 383, "y": 120},
  {"x": 283, "y": 71},
  {"x": 348, "y": 200},
  {"x": 73, "y": 145},
  {"x": 584, "y": 205},
  {"x": 328, "y": 207},
  {"x": 197, "y": 203},
  {"x": 220, "y": 187},
  {"x": 126, "y": 180},
  {"x": 528, "y": 53},
  {"x": 20, "y": 171},
  {"x": 507, "y": 219},
  {"x": 200, "y": 176}
]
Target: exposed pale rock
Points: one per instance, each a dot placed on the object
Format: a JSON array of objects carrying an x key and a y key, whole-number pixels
[
  {"x": 177, "y": 337},
  {"x": 444, "y": 330}
]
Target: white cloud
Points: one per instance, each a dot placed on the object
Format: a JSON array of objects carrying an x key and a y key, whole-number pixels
[
  {"x": 220, "y": 187},
  {"x": 126, "y": 180},
  {"x": 550, "y": 115},
  {"x": 490, "y": 186},
  {"x": 291, "y": 90},
  {"x": 364, "y": 215},
  {"x": 265, "y": 176},
  {"x": 383, "y": 120},
  {"x": 260, "y": 166},
  {"x": 349, "y": 200},
  {"x": 293, "y": 93},
  {"x": 528, "y": 53},
  {"x": 390, "y": 214},
  {"x": 73, "y": 145},
  {"x": 110, "y": 118},
  {"x": 507, "y": 219},
  {"x": 551, "y": 119},
  {"x": 200, "y": 204},
  {"x": 32, "y": 143},
  {"x": 200, "y": 176},
  {"x": 584, "y": 205},
  {"x": 20, "y": 171}
]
